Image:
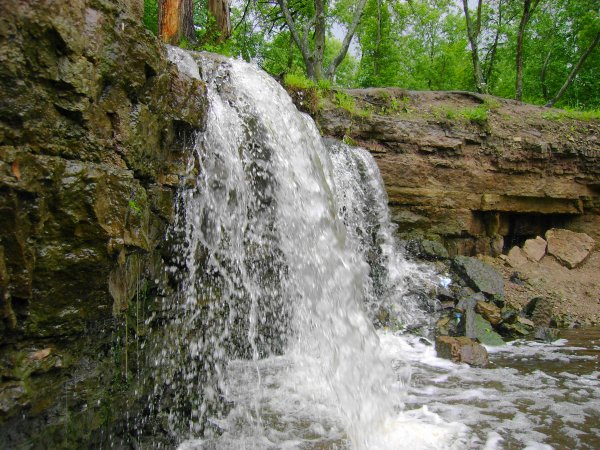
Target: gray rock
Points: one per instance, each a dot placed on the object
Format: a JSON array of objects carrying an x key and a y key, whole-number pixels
[
  {"x": 546, "y": 334},
  {"x": 479, "y": 276},
  {"x": 425, "y": 249},
  {"x": 540, "y": 311}
]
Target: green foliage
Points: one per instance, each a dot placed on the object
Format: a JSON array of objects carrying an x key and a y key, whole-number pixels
[
  {"x": 151, "y": 15},
  {"x": 421, "y": 44},
  {"x": 345, "y": 101}
]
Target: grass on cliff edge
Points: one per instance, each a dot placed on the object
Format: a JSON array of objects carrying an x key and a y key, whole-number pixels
[
  {"x": 322, "y": 90},
  {"x": 574, "y": 114}
]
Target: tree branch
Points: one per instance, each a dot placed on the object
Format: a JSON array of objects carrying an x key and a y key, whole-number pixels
[
  {"x": 347, "y": 39},
  {"x": 573, "y": 73}
]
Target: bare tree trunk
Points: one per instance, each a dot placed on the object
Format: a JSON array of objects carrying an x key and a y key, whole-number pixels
[
  {"x": 528, "y": 8},
  {"x": 176, "y": 20},
  {"x": 169, "y": 21},
  {"x": 219, "y": 10},
  {"x": 358, "y": 13},
  {"x": 314, "y": 59},
  {"x": 377, "y": 54},
  {"x": 543, "y": 76},
  {"x": 494, "y": 48},
  {"x": 320, "y": 24},
  {"x": 473, "y": 31},
  {"x": 187, "y": 20},
  {"x": 575, "y": 70}
]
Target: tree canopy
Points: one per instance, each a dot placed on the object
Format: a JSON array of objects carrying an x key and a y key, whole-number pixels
[{"x": 540, "y": 51}]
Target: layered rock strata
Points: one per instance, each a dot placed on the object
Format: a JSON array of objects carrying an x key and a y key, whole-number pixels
[{"x": 477, "y": 173}]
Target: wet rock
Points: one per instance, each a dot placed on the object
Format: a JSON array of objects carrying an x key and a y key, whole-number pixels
[
  {"x": 93, "y": 118},
  {"x": 484, "y": 332},
  {"x": 479, "y": 276},
  {"x": 461, "y": 349},
  {"x": 521, "y": 327},
  {"x": 516, "y": 258},
  {"x": 569, "y": 248},
  {"x": 448, "y": 325},
  {"x": 427, "y": 250},
  {"x": 546, "y": 334},
  {"x": 12, "y": 397},
  {"x": 535, "y": 249},
  {"x": 541, "y": 311},
  {"x": 466, "y": 308},
  {"x": 489, "y": 312}
]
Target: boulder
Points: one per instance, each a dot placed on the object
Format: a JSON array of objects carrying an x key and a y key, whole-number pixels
[
  {"x": 425, "y": 249},
  {"x": 520, "y": 328},
  {"x": 489, "y": 312},
  {"x": 461, "y": 349},
  {"x": 540, "y": 311},
  {"x": 485, "y": 333},
  {"x": 479, "y": 276},
  {"x": 516, "y": 257},
  {"x": 569, "y": 248},
  {"x": 546, "y": 334},
  {"x": 535, "y": 249}
]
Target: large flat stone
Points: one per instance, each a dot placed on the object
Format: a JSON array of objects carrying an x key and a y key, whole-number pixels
[{"x": 569, "y": 248}]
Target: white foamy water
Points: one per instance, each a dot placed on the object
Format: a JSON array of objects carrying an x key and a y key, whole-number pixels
[{"x": 533, "y": 395}]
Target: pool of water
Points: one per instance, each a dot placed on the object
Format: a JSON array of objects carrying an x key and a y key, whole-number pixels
[{"x": 533, "y": 395}]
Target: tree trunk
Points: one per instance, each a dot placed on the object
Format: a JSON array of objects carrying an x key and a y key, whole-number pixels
[
  {"x": 320, "y": 31},
  {"x": 573, "y": 73},
  {"x": 528, "y": 8},
  {"x": 358, "y": 13},
  {"x": 377, "y": 53},
  {"x": 176, "y": 20},
  {"x": 169, "y": 21},
  {"x": 187, "y": 20},
  {"x": 473, "y": 31},
  {"x": 543, "y": 76},
  {"x": 219, "y": 10}
]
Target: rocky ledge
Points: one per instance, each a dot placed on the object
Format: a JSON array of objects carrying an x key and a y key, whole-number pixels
[
  {"x": 477, "y": 173},
  {"x": 94, "y": 122}
]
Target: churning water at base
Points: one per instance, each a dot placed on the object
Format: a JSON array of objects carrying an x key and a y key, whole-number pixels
[{"x": 286, "y": 257}]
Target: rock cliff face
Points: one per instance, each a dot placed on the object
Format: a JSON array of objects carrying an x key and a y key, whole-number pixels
[
  {"x": 477, "y": 173},
  {"x": 94, "y": 123}
]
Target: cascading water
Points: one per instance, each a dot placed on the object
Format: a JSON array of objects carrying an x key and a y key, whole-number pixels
[
  {"x": 269, "y": 344},
  {"x": 362, "y": 201}
]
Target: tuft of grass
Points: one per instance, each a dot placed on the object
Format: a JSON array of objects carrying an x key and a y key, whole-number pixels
[
  {"x": 297, "y": 81},
  {"x": 478, "y": 114}
]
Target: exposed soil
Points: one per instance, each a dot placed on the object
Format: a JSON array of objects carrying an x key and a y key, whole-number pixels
[{"x": 575, "y": 292}]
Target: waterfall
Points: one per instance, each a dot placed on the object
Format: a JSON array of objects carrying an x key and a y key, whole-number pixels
[
  {"x": 269, "y": 341},
  {"x": 393, "y": 292}
]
